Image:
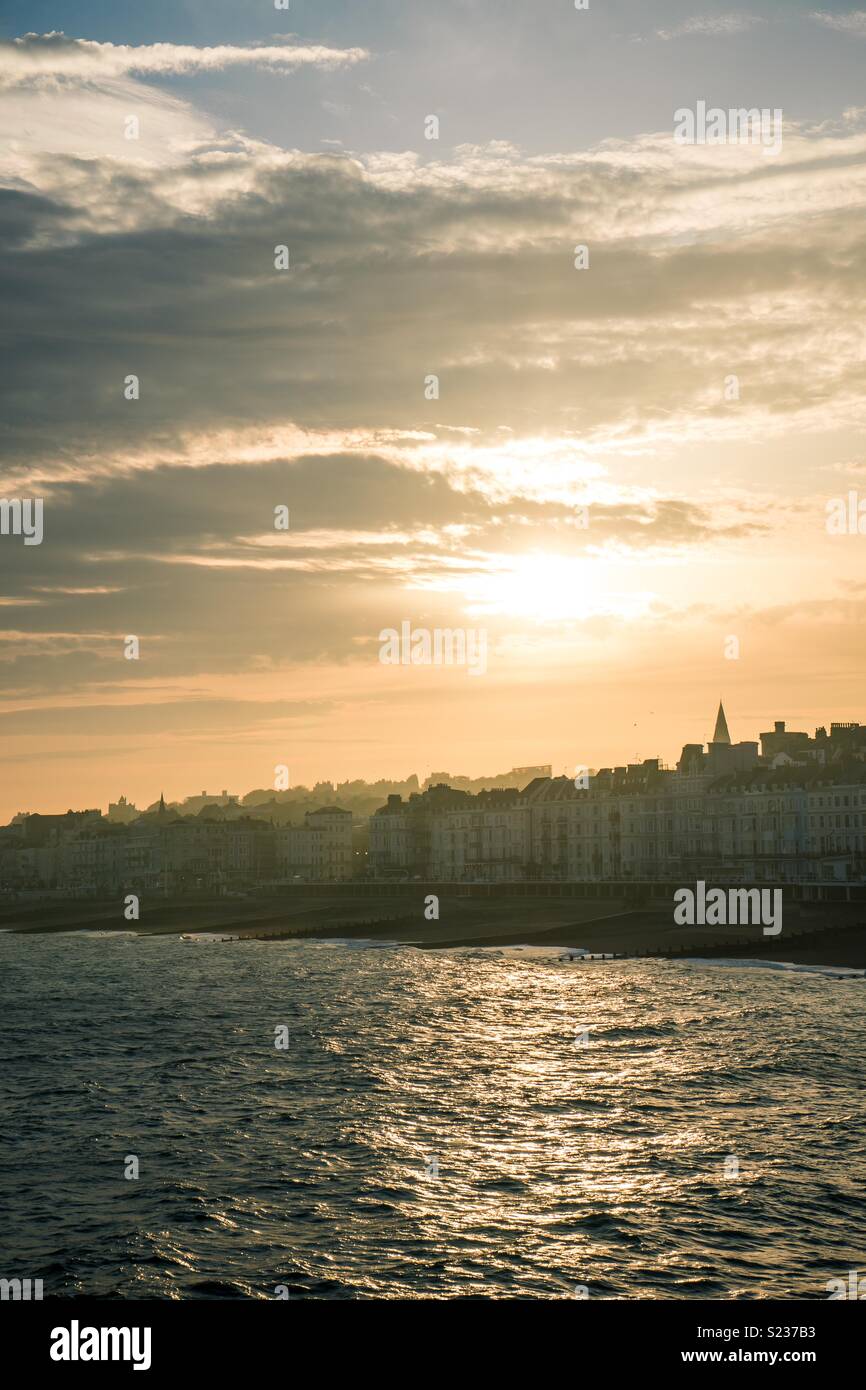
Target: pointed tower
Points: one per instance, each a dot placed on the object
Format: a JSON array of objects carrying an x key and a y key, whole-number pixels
[
  {"x": 721, "y": 734},
  {"x": 161, "y": 811}
]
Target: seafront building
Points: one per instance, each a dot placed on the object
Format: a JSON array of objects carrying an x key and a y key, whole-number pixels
[
  {"x": 320, "y": 850},
  {"x": 785, "y": 808},
  {"x": 83, "y": 855},
  {"x": 794, "y": 811}
]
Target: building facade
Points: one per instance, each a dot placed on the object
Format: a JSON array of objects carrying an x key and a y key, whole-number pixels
[
  {"x": 320, "y": 850},
  {"x": 794, "y": 812},
  {"x": 165, "y": 852}
]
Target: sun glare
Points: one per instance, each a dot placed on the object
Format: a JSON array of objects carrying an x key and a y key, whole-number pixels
[{"x": 551, "y": 588}]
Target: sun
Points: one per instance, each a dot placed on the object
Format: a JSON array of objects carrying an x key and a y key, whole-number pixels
[{"x": 551, "y": 588}]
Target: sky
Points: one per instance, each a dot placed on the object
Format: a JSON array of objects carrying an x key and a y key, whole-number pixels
[{"x": 624, "y": 479}]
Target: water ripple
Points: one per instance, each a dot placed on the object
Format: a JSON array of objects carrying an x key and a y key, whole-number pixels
[{"x": 446, "y": 1124}]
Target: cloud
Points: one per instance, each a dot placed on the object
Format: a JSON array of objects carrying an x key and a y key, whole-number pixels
[
  {"x": 35, "y": 57},
  {"x": 703, "y": 263},
  {"x": 713, "y": 26},
  {"x": 74, "y": 98},
  {"x": 162, "y": 717},
  {"x": 852, "y": 23},
  {"x": 85, "y": 123},
  {"x": 259, "y": 387},
  {"x": 192, "y": 564}
]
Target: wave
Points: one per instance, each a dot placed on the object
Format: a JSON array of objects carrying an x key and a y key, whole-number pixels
[{"x": 841, "y": 972}]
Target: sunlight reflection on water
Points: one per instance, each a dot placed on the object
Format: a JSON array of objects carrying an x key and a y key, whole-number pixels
[{"x": 558, "y": 1162}]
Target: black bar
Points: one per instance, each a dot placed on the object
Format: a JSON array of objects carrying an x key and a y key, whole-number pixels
[{"x": 247, "y": 1336}]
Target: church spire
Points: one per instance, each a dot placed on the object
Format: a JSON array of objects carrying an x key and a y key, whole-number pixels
[{"x": 721, "y": 734}]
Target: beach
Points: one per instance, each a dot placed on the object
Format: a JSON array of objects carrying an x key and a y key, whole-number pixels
[{"x": 832, "y": 934}]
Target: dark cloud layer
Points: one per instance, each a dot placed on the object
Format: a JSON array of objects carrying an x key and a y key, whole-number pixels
[
  {"x": 465, "y": 271},
  {"x": 388, "y": 285}
]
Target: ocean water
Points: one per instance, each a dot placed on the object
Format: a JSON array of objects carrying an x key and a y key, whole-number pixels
[{"x": 477, "y": 1123}]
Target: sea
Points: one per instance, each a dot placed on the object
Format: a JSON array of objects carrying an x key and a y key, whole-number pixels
[{"x": 213, "y": 1119}]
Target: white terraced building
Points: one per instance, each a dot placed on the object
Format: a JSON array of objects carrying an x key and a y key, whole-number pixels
[
  {"x": 796, "y": 812},
  {"x": 320, "y": 850}
]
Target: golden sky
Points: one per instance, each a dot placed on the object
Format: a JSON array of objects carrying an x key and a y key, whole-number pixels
[{"x": 626, "y": 466}]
